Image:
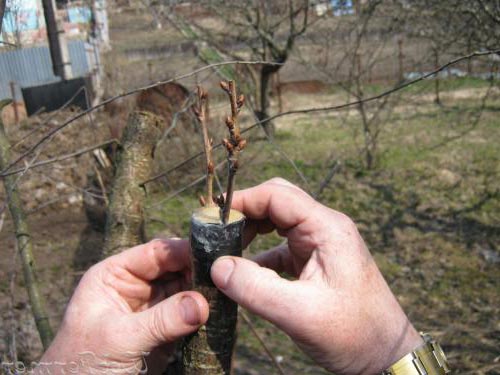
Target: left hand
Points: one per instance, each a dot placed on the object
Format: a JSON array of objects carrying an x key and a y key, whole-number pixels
[{"x": 124, "y": 308}]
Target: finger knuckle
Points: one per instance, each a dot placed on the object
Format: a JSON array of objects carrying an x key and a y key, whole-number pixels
[
  {"x": 158, "y": 326},
  {"x": 278, "y": 181}
]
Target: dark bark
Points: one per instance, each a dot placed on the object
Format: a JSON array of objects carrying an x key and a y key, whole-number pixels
[
  {"x": 24, "y": 244},
  {"x": 125, "y": 216},
  {"x": 209, "y": 351},
  {"x": 266, "y": 74},
  {"x": 265, "y": 78}
]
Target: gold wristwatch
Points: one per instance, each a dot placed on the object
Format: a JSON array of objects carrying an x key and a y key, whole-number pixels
[{"x": 429, "y": 359}]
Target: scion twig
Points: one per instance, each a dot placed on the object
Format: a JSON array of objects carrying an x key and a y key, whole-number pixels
[
  {"x": 201, "y": 112},
  {"x": 234, "y": 144}
]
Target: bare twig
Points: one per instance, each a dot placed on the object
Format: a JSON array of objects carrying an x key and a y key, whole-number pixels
[
  {"x": 49, "y": 118},
  {"x": 57, "y": 159},
  {"x": 328, "y": 178},
  {"x": 202, "y": 113},
  {"x": 273, "y": 143},
  {"x": 181, "y": 190},
  {"x": 262, "y": 342},
  {"x": 234, "y": 145}
]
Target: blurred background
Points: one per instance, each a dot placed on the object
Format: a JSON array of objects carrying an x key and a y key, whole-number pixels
[{"x": 386, "y": 110}]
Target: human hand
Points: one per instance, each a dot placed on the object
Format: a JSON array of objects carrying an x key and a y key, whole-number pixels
[
  {"x": 125, "y": 307},
  {"x": 340, "y": 310}
]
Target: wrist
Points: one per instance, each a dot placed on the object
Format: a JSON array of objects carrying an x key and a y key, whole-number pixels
[
  {"x": 392, "y": 336},
  {"x": 410, "y": 342},
  {"x": 428, "y": 359}
]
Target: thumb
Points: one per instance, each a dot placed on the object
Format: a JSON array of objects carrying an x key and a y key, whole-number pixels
[
  {"x": 263, "y": 292},
  {"x": 169, "y": 320}
]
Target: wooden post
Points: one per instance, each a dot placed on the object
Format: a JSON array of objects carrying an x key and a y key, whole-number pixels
[
  {"x": 24, "y": 244},
  {"x": 209, "y": 351},
  {"x": 14, "y": 101}
]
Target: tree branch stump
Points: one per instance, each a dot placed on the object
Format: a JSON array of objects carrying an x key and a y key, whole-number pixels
[{"x": 125, "y": 216}]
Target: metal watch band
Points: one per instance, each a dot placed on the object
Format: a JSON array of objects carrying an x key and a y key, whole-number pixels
[{"x": 429, "y": 359}]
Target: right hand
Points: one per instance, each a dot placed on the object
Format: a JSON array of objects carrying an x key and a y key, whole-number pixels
[{"x": 340, "y": 310}]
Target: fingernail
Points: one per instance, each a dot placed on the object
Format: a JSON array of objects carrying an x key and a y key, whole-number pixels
[
  {"x": 190, "y": 311},
  {"x": 223, "y": 269}
]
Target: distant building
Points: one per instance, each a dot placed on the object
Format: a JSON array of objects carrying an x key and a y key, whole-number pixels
[
  {"x": 342, "y": 7},
  {"x": 24, "y": 23},
  {"x": 28, "y": 70},
  {"x": 336, "y": 7}
]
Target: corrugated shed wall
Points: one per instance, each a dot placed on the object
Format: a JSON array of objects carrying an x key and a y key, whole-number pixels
[{"x": 32, "y": 66}]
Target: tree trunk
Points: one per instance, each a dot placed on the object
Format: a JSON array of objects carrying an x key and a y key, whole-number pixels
[
  {"x": 209, "y": 351},
  {"x": 125, "y": 216},
  {"x": 24, "y": 245},
  {"x": 265, "y": 79}
]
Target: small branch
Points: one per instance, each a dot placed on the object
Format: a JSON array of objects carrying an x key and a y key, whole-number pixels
[
  {"x": 181, "y": 190},
  {"x": 60, "y": 158},
  {"x": 24, "y": 243},
  {"x": 201, "y": 112},
  {"x": 262, "y": 342},
  {"x": 234, "y": 145}
]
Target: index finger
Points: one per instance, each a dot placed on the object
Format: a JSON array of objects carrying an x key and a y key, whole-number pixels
[
  {"x": 151, "y": 260},
  {"x": 283, "y": 203}
]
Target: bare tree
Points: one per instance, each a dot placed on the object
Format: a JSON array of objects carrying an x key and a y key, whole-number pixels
[
  {"x": 264, "y": 30},
  {"x": 352, "y": 47}
]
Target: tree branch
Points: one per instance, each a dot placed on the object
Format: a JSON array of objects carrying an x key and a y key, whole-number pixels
[{"x": 24, "y": 243}]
